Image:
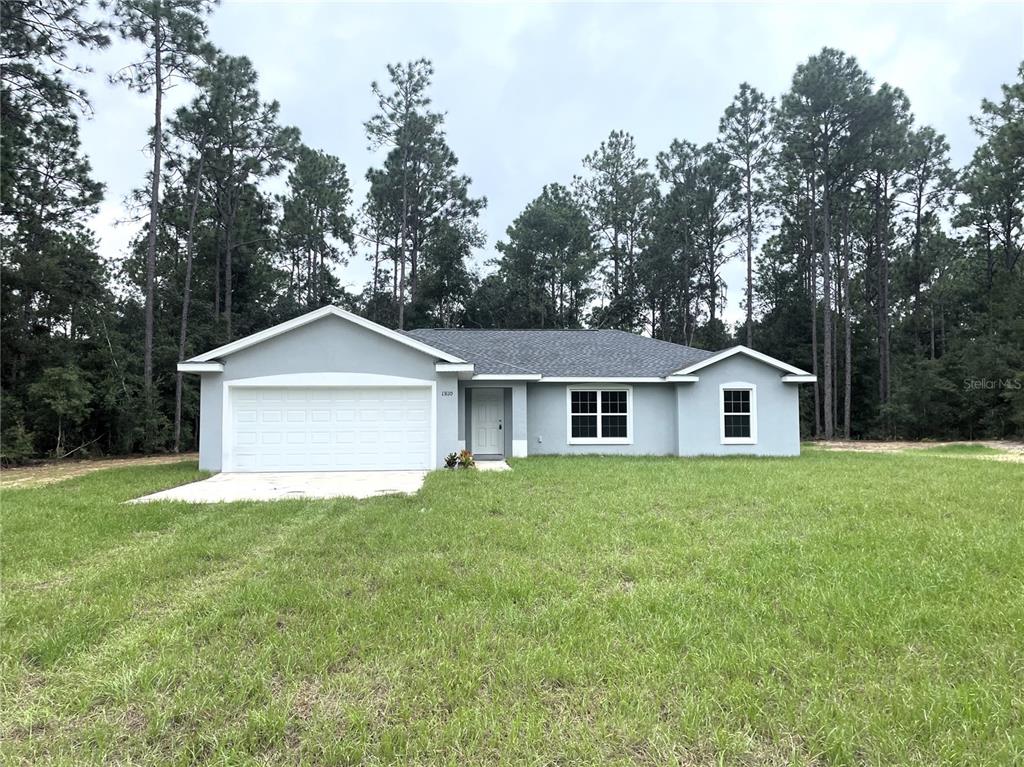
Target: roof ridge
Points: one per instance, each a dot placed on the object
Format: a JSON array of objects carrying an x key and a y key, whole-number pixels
[
  {"x": 513, "y": 330},
  {"x": 560, "y": 352},
  {"x": 663, "y": 341}
]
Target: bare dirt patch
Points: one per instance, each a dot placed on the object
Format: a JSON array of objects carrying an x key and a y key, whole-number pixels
[
  {"x": 55, "y": 471},
  {"x": 1010, "y": 450}
]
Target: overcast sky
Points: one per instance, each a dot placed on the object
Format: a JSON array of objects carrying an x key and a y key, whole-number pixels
[{"x": 530, "y": 89}]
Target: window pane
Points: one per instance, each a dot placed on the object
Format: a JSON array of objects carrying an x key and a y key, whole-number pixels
[
  {"x": 613, "y": 402},
  {"x": 583, "y": 401},
  {"x": 584, "y": 425},
  {"x": 613, "y": 426},
  {"x": 736, "y": 400},
  {"x": 737, "y": 426}
]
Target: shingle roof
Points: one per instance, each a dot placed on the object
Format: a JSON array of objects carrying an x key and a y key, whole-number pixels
[{"x": 576, "y": 353}]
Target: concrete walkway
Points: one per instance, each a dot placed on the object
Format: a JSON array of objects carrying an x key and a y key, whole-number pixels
[{"x": 223, "y": 488}]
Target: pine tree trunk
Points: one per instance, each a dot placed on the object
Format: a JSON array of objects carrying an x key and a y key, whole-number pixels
[
  {"x": 918, "y": 217},
  {"x": 942, "y": 331},
  {"x": 614, "y": 303},
  {"x": 294, "y": 293},
  {"x": 154, "y": 222},
  {"x": 376, "y": 278},
  {"x": 826, "y": 301},
  {"x": 750, "y": 260},
  {"x": 310, "y": 279},
  {"x": 216, "y": 276},
  {"x": 186, "y": 297},
  {"x": 835, "y": 365},
  {"x": 394, "y": 274},
  {"x": 814, "y": 344},
  {"x": 229, "y": 247},
  {"x": 812, "y": 262},
  {"x": 882, "y": 236},
  {"x": 405, "y": 237},
  {"x": 931, "y": 323},
  {"x": 713, "y": 296},
  {"x": 321, "y": 291},
  {"x": 847, "y": 337},
  {"x": 414, "y": 251}
]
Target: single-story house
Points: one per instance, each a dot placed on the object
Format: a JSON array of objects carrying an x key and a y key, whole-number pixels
[{"x": 331, "y": 391}]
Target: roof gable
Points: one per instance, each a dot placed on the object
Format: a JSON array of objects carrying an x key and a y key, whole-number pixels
[
  {"x": 731, "y": 352},
  {"x": 313, "y": 316}
]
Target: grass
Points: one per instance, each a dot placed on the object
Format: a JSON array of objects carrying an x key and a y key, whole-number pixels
[{"x": 838, "y": 609}]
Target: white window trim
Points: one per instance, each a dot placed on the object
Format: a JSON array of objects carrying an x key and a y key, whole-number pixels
[
  {"x": 741, "y": 385},
  {"x": 599, "y": 440}
]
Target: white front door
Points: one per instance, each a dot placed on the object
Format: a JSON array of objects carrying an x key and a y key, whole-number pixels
[
  {"x": 329, "y": 429},
  {"x": 488, "y": 413}
]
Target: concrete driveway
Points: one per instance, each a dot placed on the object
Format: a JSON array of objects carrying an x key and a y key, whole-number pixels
[{"x": 222, "y": 488}]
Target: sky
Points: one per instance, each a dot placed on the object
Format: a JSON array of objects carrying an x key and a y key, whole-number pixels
[{"x": 529, "y": 89}]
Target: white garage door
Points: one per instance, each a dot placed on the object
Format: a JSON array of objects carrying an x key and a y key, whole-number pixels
[{"x": 329, "y": 429}]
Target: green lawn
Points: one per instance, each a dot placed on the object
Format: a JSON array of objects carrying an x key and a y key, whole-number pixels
[{"x": 838, "y": 608}]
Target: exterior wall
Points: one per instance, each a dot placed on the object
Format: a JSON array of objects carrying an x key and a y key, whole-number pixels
[
  {"x": 211, "y": 404},
  {"x": 520, "y": 423},
  {"x": 447, "y": 415},
  {"x": 668, "y": 419},
  {"x": 329, "y": 345},
  {"x": 654, "y": 421},
  {"x": 777, "y": 410}
]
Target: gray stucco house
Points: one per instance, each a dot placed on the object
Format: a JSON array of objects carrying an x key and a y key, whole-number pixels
[{"x": 331, "y": 391}]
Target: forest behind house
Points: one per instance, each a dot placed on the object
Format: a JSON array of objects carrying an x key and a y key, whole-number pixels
[{"x": 869, "y": 259}]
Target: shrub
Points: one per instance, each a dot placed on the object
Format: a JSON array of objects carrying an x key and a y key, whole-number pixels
[
  {"x": 15, "y": 443},
  {"x": 466, "y": 460},
  {"x": 451, "y": 460}
]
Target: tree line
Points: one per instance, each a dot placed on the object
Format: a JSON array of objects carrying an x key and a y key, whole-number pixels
[{"x": 869, "y": 259}]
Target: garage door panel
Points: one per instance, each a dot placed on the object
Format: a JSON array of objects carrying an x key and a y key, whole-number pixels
[
  {"x": 323, "y": 429},
  {"x": 246, "y": 438},
  {"x": 320, "y": 462}
]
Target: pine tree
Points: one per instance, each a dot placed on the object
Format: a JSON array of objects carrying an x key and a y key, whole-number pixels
[
  {"x": 617, "y": 193},
  {"x": 819, "y": 128},
  {"x": 403, "y": 123},
  {"x": 547, "y": 263},
  {"x": 173, "y": 33},
  {"x": 315, "y": 222},
  {"x": 746, "y": 138}
]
